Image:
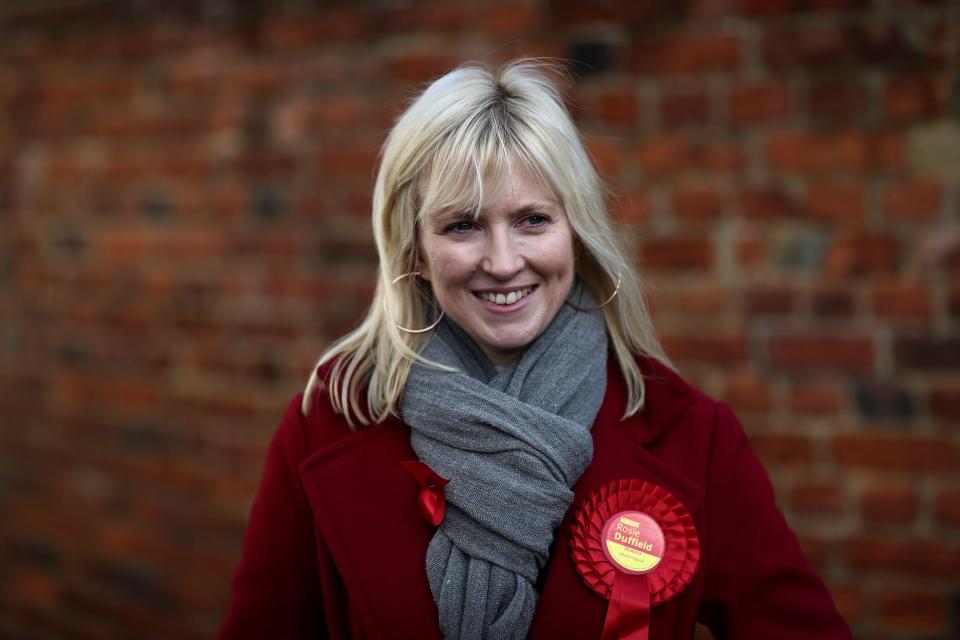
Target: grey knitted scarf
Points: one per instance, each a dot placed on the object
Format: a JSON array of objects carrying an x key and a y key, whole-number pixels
[{"x": 512, "y": 443}]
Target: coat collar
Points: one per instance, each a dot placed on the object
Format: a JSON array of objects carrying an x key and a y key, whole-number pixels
[{"x": 365, "y": 506}]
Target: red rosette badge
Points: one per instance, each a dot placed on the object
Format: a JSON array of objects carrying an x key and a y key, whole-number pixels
[{"x": 635, "y": 545}]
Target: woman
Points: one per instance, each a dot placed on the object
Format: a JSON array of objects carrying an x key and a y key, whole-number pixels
[{"x": 508, "y": 351}]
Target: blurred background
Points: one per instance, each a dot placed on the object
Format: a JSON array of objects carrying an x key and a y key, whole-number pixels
[{"x": 184, "y": 226}]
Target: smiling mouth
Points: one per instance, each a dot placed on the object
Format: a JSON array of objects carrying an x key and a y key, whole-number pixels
[{"x": 508, "y": 298}]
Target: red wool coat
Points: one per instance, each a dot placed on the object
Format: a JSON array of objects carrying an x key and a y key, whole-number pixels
[{"x": 335, "y": 545}]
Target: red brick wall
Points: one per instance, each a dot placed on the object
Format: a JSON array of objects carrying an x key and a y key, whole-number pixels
[{"x": 184, "y": 226}]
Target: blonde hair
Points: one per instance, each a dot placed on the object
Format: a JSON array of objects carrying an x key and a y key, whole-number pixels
[{"x": 467, "y": 126}]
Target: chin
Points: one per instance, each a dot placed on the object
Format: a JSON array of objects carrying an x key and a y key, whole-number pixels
[{"x": 510, "y": 343}]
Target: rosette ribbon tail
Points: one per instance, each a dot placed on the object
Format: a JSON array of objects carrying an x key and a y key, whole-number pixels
[{"x": 628, "y": 614}]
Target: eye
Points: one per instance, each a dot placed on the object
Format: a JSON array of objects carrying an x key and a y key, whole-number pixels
[
  {"x": 536, "y": 219},
  {"x": 460, "y": 226}
]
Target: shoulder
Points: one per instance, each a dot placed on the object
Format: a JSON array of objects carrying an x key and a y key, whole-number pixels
[
  {"x": 321, "y": 423},
  {"x": 671, "y": 404},
  {"x": 696, "y": 425}
]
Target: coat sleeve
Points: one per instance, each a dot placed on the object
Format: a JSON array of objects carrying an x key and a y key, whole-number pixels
[
  {"x": 758, "y": 583},
  {"x": 276, "y": 588}
]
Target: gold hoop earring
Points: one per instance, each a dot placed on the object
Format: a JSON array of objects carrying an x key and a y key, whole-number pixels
[
  {"x": 386, "y": 309},
  {"x": 613, "y": 295}
]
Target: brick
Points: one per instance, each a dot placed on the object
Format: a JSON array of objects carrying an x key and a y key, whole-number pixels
[
  {"x": 574, "y": 12},
  {"x": 297, "y": 32},
  {"x": 916, "y": 96},
  {"x": 947, "y": 507},
  {"x": 411, "y": 67},
  {"x": 668, "y": 155},
  {"x": 815, "y": 550},
  {"x": 768, "y": 300},
  {"x": 36, "y": 587},
  {"x": 836, "y": 99},
  {"x": 780, "y": 449},
  {"x": 679, "y": 108},
  {"x": 633, "y": 207},
  {"x": 814, "y": 47},
  {"x": 665, "y": 155},
  {"x": 718, "y": 349},
  {"x": 760, "y": 102},
  {"x": 818, "y": 153},
  {"x": 337, "y": 113},
  {"x": 619, "y": 107},
  {"x": 953, "y": 301},
  {"x": 889, "y": 505},
  {"x": 921, "y": 454},
  {"x": 895, "y": 299},
  {"x": 354, "y": 161},
  {"x": 334, "y": 25},
  {"x": 259, "y": 77},
  {"x": 881, "y": 400},
  {"x": 265, "y": 165},
  {"x": 917, "y": 200},
  {"x": 697, "y": 300},
  {"x": 766, "y": 203},
  {"x": 766, "y": 8},
  {"x": 708, "y": 9},
  {"x": 509, "y": 20},
  {"x": 720, "y": 156},
  {"x": 677, "y": 254},
  {"x": 816, "y": 398},
  {"x": 835, "y": 201},
  {"x": 751, "y": 252},
  {"x": 747, "y": 393},
  {"x": 822, "y": 352},
  {"x": 606, "y": 155},
  {"x": 817, "y": 498},
  {"x": 848, "y": 599},
  {"x": 433, "y": 18},
  {"x": 944, "y": 403},
  {"x": 927, "y": 353},
  {"x": 915, "y": 613},
  {"x": 832, "y": 302},
  {"x": 938, "y": 49},
  {"x": 697, "y": 203},
  {"x": 688, "y": 54},
  {"x": 908, "y": 557},
  {"x": 879, "y": 43},
  {"x": 887, "y": 151},
  {"x": 862, "y": 252}
]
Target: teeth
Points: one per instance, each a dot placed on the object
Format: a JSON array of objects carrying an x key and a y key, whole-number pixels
[{"x": 510, "y": 298}]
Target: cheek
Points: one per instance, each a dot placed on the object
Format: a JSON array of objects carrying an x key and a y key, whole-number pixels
[
  {"x": 555, "y": 258},
  {"x": 448, "y": 266}
]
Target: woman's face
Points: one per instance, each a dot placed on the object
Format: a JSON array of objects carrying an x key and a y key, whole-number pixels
[{"x": 503, "y": 276}]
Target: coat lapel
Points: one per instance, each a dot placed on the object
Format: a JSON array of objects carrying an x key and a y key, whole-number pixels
[{"x": 365, "y": 506}]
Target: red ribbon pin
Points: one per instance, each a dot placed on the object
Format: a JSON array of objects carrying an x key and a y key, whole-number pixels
[{"x": 433, "y": 504}]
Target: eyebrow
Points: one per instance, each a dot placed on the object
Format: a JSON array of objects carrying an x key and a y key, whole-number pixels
[{"x": 460, "y": 214}]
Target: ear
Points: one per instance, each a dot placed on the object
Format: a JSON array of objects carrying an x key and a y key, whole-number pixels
[
  {"x": 422, "y": 266},
  {"x": 578, "y": 248}
]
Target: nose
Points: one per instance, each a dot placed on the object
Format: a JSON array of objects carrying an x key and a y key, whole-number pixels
[{"x": 501, "y": 258}]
